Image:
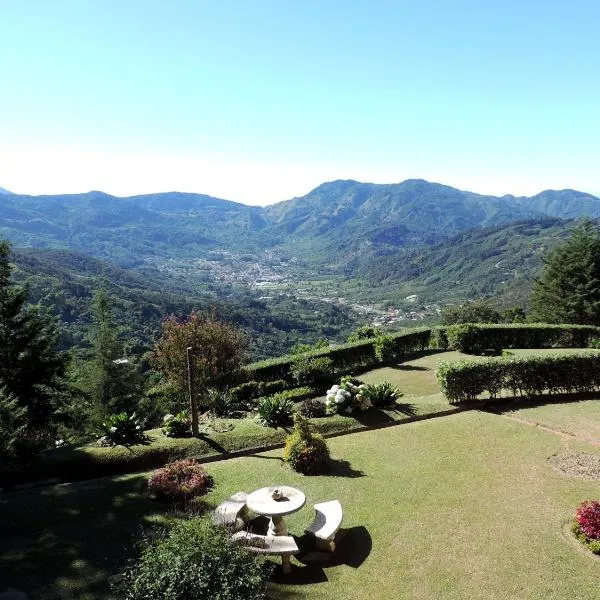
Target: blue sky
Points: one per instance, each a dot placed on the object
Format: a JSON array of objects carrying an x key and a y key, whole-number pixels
[{"x": 262, "y": 101}]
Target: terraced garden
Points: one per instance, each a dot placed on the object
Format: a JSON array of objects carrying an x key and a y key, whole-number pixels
[{"x": 468, "y": 505}]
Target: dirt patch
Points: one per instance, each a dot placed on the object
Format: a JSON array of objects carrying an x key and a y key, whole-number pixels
[{"x": 579, "y": 465}]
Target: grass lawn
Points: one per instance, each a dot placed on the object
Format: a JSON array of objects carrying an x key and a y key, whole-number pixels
[{"x": 465, "y": 506}]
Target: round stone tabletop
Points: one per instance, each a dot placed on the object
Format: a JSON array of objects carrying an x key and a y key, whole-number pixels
[{"x": 262, "y": 502}]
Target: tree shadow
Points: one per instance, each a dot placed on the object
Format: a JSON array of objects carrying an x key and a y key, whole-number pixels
[
  {"x": 263, "y": 457},
  {"x": 339, "y": 467},
  {"x": 66, "y": 540}
]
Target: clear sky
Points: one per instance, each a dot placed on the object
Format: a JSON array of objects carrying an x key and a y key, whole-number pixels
[{"x": 259, "y": 101}]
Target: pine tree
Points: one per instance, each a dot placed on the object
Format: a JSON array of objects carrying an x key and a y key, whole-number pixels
[
  {"x": 114, "y": 382},
  {"x": 32, "y": 370},
  {"x": 569, "y": 289}
]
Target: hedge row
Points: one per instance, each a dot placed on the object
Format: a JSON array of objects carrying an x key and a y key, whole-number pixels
[
  {"x": 345, "y": 357},
  {"x": 475, "y": 338},
  {"x": 469, "y": 380}
]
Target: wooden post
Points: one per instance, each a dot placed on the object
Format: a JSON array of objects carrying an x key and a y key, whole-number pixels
[{"x": 193, "y": 402}]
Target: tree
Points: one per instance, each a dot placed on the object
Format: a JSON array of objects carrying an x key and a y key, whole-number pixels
[
  {"x": 32, "y": 370},
  {"x": 472, "y": 311},
  {"x": 114, "y": 382},
  {"x": 217, "y": 352},
  {"x": 568, "y": 290}
]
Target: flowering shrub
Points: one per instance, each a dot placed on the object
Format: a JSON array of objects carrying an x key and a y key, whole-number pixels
[
  {"x": 346, "y": 397},
  {"x": 178, "y": 425},
  {"x": 180, "y": 480},
  {"x": 588, "y": 518},
  {"x": 306, "y": 452},
  {"x": 121, "y": 428}
]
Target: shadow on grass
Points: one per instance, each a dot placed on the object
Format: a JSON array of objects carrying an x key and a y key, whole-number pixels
[
  {"x": 339, "y": 467},
  {"x": 511, "y": 403},
  {"x": 373, "y": 416},
  {"x": 405, "y": 408},
  {"x": 67, "y": 540},
  {"x": 402, "y": 367}
]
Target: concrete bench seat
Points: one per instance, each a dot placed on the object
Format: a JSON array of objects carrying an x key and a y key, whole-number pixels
[
  {"x": 231, "y": 512},
  {"x": 328, "y": 518},
  {"x": 282, "y": 545}
]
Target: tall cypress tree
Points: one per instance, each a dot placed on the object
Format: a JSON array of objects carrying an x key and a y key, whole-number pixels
[
  {"x": 569, "y": 289},
  {"x": 32, "y": 370}
]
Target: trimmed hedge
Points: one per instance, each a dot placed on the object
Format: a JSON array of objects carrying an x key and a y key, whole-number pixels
[
  {"x": 467, "y": 380},
  {"x": 345, "y": 357},
  {"x": 475, "y": 338}
]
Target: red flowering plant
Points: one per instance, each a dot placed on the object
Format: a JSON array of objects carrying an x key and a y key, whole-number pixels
[
  {"x": 180, "y": 480},
  {"x": 587, "y": 524}
]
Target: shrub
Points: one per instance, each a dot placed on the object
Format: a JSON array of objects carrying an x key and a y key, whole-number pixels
[
  {"x": 177, "y": 426},
  {"x": 275, "y": 411},
  {"x": 466, "y": 380},
  {"x": 381, "y": 394},
  {"x": 312, "y": 370},
  {"x": 385, "y": 348},
  {"x": 588, "y": 518},
  {"x": 124, "y": 429},
  {"x": 180, "y": 480},
  {"x": 311, "y": 407},
  {"x": 304, "y": 451},
  {"x": 346, "y": 397},
  {"x": 195, "y": 561}
]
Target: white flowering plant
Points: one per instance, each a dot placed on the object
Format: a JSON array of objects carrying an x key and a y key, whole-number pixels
[
  {"x": 346, "y": 397},
  {"x": 124, "y": 429}
]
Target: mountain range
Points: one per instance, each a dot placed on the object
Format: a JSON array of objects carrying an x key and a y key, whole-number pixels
[
  {"x": 300, "y": 269},
  {"x": 332, "y": 225}
]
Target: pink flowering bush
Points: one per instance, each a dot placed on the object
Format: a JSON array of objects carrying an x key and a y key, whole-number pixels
[
  {"x": 180, "y": 480},
  {"x": 587, "y": 525}
]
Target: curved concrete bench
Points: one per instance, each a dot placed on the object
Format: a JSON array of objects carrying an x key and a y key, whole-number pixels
[
  {"x": 328, "y": 518},
  {"x": 231, "y": 512},
  {"x": 282, "y": 545}
]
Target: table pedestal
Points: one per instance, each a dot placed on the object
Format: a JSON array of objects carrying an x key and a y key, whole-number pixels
[{"x": 277, "y": 526}]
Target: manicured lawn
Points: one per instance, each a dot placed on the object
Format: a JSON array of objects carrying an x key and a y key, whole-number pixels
[{"x": 464, "y": 506}]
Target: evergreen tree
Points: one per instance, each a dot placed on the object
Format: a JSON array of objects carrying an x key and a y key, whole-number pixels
[
  {"x": 569, "y": 289},
  {"x": 31, "y": 368},
  {"x": 114, "y": 381}
]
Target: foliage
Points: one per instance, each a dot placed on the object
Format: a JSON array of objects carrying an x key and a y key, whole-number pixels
[
  {"x": 465, "y": 381},
  {"x": 312, "y": 407},
  {"x": 569, "y": 289},
  {"x": 32, "y": 371},
  {"x": 249, "y": 390},
  {"x": 474, "y": 311},
  {"x": 195, "y": 561},
  {"x": 345, "y": 357},
  {"x": 113, "y": 382},
  {"x": 180, "y": 480},
  {"x": 346, "y": 397},
  {"x": 380, "y": 394},
  {"x": 476, "y": 338},
  {"x": 275, "y": 411},
  {"x": 218, "y": 352},
  {"x": 385, "y": 348},
  {"x": 121, "y": 428},
  {"x": 13, "y": 426},
  {"x": 178, "y": 425},
  {"x": 305, "y": 451},
  {"x": 365, "y": 332},
  {"x": 588, "y": 518},
  {"x": 314, "y": 371},
  {"x": 302, "y": 348}
]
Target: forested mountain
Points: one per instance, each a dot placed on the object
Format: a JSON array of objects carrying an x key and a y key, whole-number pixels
[
  {"x": 498, "y": 261},
  {"x": 287, "y": 272},
  {"x": 328, "y": 225},
  {"x": 65, "y": 282}
]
